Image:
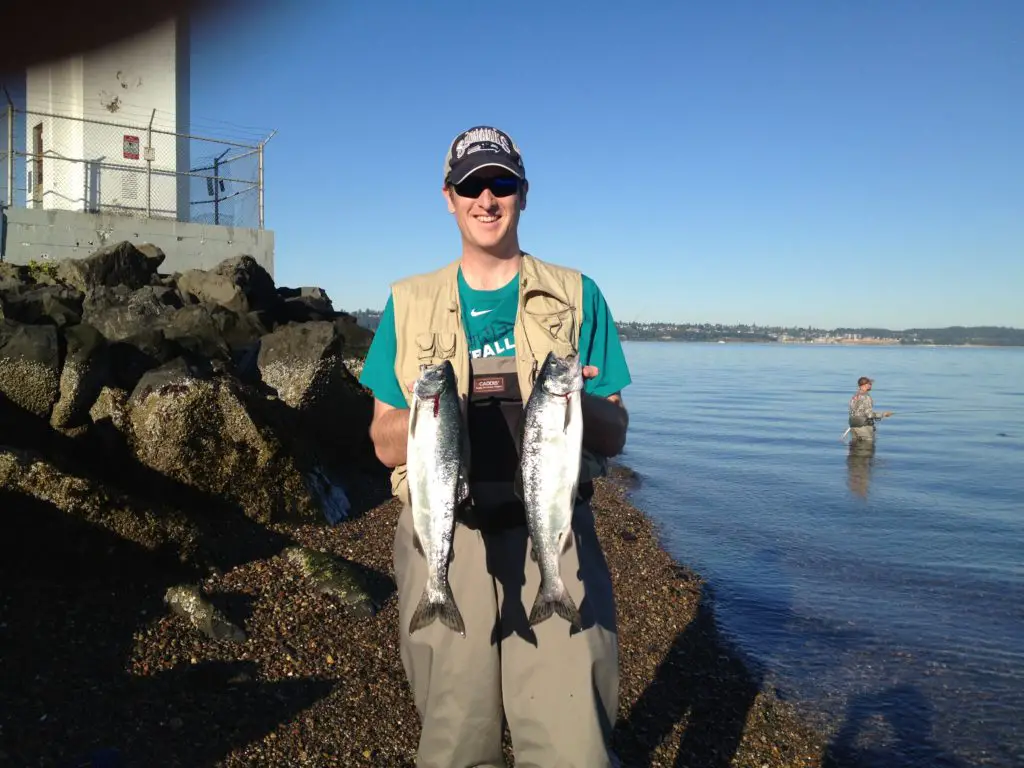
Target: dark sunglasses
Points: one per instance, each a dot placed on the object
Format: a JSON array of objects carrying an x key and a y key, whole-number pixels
[{"x": 500, "y": 186}]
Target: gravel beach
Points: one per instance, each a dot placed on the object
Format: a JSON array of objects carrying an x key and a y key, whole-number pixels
[{"x": 317, "y": 683}]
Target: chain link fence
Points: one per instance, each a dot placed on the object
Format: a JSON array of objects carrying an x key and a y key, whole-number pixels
[{"x": 59, "y": 162}]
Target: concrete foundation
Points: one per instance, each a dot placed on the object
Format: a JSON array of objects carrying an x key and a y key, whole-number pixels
[{"x": 51, "y": 235}]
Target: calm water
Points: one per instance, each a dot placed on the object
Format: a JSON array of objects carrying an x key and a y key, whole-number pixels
[{"x": 883, "y": 591}]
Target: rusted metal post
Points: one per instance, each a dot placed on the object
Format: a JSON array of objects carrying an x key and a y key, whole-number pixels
[
  {"x": 148, "y": 153},
  {"x": 259, "y": 181},
  {"x": 10, "y": 153}
]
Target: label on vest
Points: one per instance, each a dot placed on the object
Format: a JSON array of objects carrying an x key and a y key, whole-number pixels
[{"x": 489, "y": 385}]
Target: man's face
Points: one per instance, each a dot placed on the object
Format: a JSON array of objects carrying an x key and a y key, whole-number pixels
[{"x": 486, "y": 206}]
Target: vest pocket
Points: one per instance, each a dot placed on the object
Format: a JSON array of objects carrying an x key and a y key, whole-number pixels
[
  {"x": 562, "y": 336},
  {"x": 445, "y": 345},
  {"x": 435, "y": 347},
  {"x": 555, "y": 319}
]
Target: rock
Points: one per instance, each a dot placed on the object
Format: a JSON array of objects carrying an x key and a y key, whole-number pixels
[
  {"x": 118, "y": 313},
  {"x": 153, "y": 253},
  {"x": 299, "y": 361},
  {"x": 188, "y": 602},
  {"x": 152, "y": 527},
  {"x": 305, "y": 309},
  {"x": 198, "y": 328},
  {"x": 133, "y": 355},
  {"x": 55, "y": 304},
  {"x": 11, "y": 275},
  {"x": 355, "y": 339},
  {"x": 253, "y": 280},
  {"x": 209, "y": 287},
  {"x": 333, "y": 576},
  {"x": 86, "y": 371},
  {"x": 121, "y": 264},
  {"x": 209, "y": 432},
  {"x": 29, "y": 366},
  {"x": 111, "y": 423},
  {"x": 303, "y": 364}
]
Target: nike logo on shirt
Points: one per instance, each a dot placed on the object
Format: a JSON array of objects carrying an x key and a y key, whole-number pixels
[{"x": 476, "y": 313}]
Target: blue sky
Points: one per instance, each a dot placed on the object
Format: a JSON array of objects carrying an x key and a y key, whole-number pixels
[{"x": 771, "y": 162}]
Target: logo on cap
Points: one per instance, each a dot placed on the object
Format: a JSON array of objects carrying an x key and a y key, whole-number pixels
[
  {"x": 462, "y": 158},
  {"x": 484, "y": 139}
]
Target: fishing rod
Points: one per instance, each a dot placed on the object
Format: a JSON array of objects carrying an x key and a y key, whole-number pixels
[
  {"x": 989, "y": 409},
  {"x": 955, "y": 410}
]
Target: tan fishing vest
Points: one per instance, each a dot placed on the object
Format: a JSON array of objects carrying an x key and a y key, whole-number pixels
[{"x": 428, "y": 329}]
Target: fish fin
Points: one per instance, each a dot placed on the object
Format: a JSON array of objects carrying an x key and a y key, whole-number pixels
[
  {"x": 567, "y": 540},
  {"x": 533, "y": 553},
  {"x": 568, "y": 416},
  {"x": 462, "y": 486},
  {"x": 412, "y": 417},
  {"x": 417, "y": 543},
  {"x": 447, "y": 611},
  {"x": 561, "y": 603}
]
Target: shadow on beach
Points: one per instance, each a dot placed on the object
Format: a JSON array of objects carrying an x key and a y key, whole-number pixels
[
  {"x": 67, "y": 626},
  {"x": 696, "y": 683}
]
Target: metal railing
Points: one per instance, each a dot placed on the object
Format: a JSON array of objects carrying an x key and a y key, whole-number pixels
[{"x": 63, "y": 162}]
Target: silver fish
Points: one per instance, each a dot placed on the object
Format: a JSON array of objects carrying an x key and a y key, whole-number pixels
[
  {"x": 437, "y": 477},
  {"x": 550, "y": 454}
]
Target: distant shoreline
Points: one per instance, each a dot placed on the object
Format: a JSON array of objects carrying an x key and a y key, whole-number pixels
[{"x": 768, "y": 342}]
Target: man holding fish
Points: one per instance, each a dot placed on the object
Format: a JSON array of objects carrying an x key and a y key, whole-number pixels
[{"x": 497, "y": 382}]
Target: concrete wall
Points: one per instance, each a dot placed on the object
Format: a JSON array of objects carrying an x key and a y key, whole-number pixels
[{"x": 40, "y": 235}]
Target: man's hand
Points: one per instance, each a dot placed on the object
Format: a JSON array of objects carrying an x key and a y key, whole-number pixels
[
  {"x": 389, "y": 432},
  {"x": 605, "y": 420},
  {"x": 887, "y": 414}
]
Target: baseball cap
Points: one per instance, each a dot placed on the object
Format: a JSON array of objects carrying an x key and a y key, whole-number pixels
[
  {"x": 480, "y": 147},
  {"x": 864, "y": 380}
]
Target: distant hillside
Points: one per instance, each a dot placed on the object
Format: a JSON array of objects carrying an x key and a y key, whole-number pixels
[{"x": 953, "y": 336}]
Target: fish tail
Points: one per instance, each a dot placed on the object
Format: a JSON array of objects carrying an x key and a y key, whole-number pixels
[
  {"x": 447, "y": 611},
  {"x": 559, "y": 601}
]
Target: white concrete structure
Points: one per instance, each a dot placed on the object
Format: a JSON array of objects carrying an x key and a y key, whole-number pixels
[{"x": 86, "y": 127}]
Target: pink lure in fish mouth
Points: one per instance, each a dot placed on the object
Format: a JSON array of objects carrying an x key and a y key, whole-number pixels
[{"x": 437, "y": 405}]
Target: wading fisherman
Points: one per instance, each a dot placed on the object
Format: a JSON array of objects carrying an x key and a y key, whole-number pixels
[
  {"x": 495, "y": 313},
  {"x": 862, "y": 411}
]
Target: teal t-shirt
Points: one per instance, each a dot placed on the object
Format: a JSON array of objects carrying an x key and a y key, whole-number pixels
[{"x": 489, "y": 319}]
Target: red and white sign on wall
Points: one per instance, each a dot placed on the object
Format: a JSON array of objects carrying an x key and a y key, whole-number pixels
[{"x": 131, "y": 147}]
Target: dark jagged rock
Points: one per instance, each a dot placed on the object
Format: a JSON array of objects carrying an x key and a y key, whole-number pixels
[
  {"x": 149, "y": 524},
  {"x": 12, "y": 277},
  {"x": 133, "y": 355},
  {"x": 30, "y": 366},
  {"x": 304, "y": 365},
  {"x": 143, "y": 392},
  {"x": 86, "y": 371},
  {"x": 121, "y": 264},
  {"x": 255, "y": 283},
  {"x": 119, "y": 313},
  {"x": 195, "y": 328},
  {"x": 54, "y": 304},
  {"x": 208, "y": 431},
  {"x": 197, "y": 286}
]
